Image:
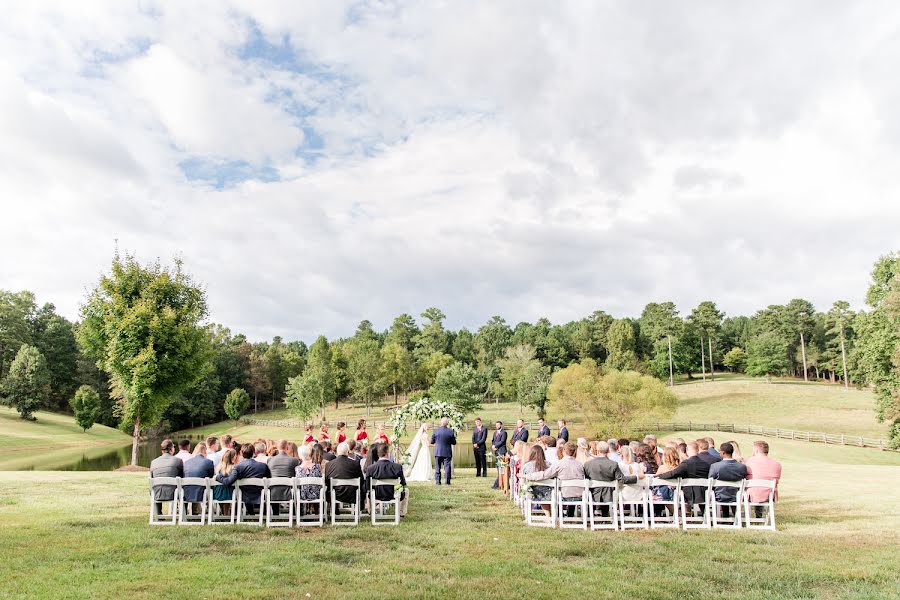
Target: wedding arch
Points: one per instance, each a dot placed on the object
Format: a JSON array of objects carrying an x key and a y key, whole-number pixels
[{"x": 424, "y": 409}]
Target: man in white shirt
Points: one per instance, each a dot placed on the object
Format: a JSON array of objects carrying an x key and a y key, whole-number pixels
[
  {"x": 184, "y": 451},
  {"x": 213, "y": 451},
  {"x": 614, "y": 450}
]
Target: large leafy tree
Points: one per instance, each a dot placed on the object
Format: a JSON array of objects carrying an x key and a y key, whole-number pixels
[
  {"x": 364, "y": 369},
  {"x": 491, "y": 341},
  {"x": 457, "y": 384},
  {"x": 54, "y": 336},
  {"x": 397, "y": 368},
  {"x": 142, "y": 324},
  {"x": 878, "y": 342},
  {"x": 523, "y": 378},
  {"x": 16, "y": 313},
  {"x": 660, "y": 323},
  {"x": 403, "y": 331},
  {"x": 463, "y": 347},
  {"x": 433, "y": 337},
  {"x": 801, "y": 318},
  {"x": 707, "y": 318},
  {"x": 316, "y": 385},
  {"x": 838, "y": 338},
  {"x": 612, "y": 402},
  {"x": 622, "y": 345},
  {"x": 766, "y": 355},
  {"x": 237, "y": 402},
  {"x": 85, "y": 404},
  {"x": 27, "y": 384}
]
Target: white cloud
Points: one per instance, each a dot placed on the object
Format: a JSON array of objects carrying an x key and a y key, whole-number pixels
[{"x": 547, "y": 161}]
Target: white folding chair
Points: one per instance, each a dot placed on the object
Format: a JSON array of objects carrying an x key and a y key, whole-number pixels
[
  {"x": 214, "y": 517},
  {"x": 598, "y": 521},
  {"x": 580, "y": 519},
  {"x": 690, "y": 519},
  {"x": 513, "y": 481},
  {"x": 633, "y": 511},
  {"x": 241, "y": 509},
  {"x": 337, "y": 518},
  {"x": 767, "y": 521},
  {"x": 670, "y": 506},
  {"x": 183, "y": 517},
  {"x": 279, "y": 520},
  {"x": 722, "y": 522},
  {"x": 377, "y": 508},
  {"x": 157, "y": 517},
  {"x": 535, "y": 517},
  {"x": 303, "y": 518}
]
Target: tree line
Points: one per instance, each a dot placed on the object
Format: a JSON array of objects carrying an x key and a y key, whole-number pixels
[{"x": 122, "y": 319}]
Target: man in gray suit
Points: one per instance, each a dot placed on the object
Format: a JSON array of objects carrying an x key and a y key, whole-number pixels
[
  {"x": 603, "y": 468},
  {"x": 165, "y": 465},
  {"x": 282, "y": 465}
]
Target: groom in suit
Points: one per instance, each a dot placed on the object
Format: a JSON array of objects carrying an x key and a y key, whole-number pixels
[
  {"x": 479, "y": 444},
  {"x": 443, "y": 439}
]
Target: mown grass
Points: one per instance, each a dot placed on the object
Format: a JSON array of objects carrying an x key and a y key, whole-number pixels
[
  {"x": 57, "y": 438},
  {"x": 84, "y": 535}
]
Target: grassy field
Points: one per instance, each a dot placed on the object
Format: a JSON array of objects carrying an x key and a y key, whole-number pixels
[
  {"x": 744, "y": 401},
  {"x": 84, "y": 535},
  {"x": 56, "y": 437}
]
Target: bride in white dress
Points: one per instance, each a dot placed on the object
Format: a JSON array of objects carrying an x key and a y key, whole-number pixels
[{"x": 421, "y": 468}]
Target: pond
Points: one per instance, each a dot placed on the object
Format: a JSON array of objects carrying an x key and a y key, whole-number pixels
[{"x": 110, "y": 459}]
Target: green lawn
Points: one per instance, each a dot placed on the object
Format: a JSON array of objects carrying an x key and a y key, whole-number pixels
[{"x": 84, "y": 535}]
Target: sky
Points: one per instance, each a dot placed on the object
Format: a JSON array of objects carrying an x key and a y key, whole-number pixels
[{"x": 319, "y": 163}]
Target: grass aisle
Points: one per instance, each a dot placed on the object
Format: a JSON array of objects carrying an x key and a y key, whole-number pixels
[{"x": 78, "y": 534}]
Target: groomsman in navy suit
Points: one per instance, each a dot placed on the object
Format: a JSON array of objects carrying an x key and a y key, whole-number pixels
[
  {"x": 443, "y": 439},
  {"x": 542, "y": 428},
  {"x": 563, "y": 432},
  {"x": 498, "y": 445},
  {"x": 479, "y": 445},
  {"x": 521, "y": 433}
]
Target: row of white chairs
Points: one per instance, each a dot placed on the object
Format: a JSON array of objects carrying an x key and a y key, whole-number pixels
[
  {"x": 296, "y": 511},
  {"x": 643, "y": 510}
]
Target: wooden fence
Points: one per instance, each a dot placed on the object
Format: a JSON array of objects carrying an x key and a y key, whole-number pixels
[{"x": 818, "y": 437}]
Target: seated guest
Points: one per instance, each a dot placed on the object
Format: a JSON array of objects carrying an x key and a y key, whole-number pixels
[
  {"x": 327, "y": 454},
  {"x": 184, "y": 450},
  {"x": 736, "y": 455},
  {"x": 343, "y": 467},
  {"x": 582, "y": 454},
  {"x": 613, "y": 450},
  {"x": 594, "y": 449},
  {"x": 704, "y": 454},
  {"x": 670, "y": 461},
  {"x": 370, "y": 457},
  {"x": 197, "y": 466},
  {"x": 213, "y": 450},
  {"x": 537, "y": 462},
  {"x": 248, "y": 468},
  {"x": 560, "y": 449},
  {"x": 354, "y": 450},
  {"x": 383, "y": 468},
  {"x": 633, "y": 444},
  {"x": 550, "y": 452},
  {"x": 308, "y": 467},
  {"x": 292, "y": 450},
  {"x": 281, "y": 465},
  {"x": 682, "y": 451},
  {"x": 226, "y": 464},
  {"x": 566, "y": 468},
  {"x": 650, "y": 440},
  {"x": 165, "y": 465},
  {"x": 259, "y": 452},
  {"x": 727, "y": 469},
  {"x": 760, "y": 466},
  {"x": 693, "y": 467},
  {"x": 631, "y": 468},
  {"x": 603, "y": 468},
  {"x": 271, "y": 448},
  {"x": 646, "y": 456},
  {"x": 712, "y": 448}
]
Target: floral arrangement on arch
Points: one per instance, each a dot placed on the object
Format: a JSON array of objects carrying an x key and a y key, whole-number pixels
[{"x": 424, "y": 409}]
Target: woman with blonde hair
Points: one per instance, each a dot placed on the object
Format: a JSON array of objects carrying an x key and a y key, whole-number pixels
[
  {"x": 582, "y": 454},
  {"x": 630, "y": 467},
  {"x": 671, "y": 460},
  {"x": 594, "y": 445}
]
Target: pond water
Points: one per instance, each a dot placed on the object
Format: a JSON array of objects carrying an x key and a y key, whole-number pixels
[{"x": 110, "y": 459}]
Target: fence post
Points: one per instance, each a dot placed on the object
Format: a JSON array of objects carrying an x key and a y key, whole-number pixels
[{"x": 842, "y": 440}]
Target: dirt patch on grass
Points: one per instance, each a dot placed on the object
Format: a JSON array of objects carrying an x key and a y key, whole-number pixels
[{"x": 132, "y": 469}]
